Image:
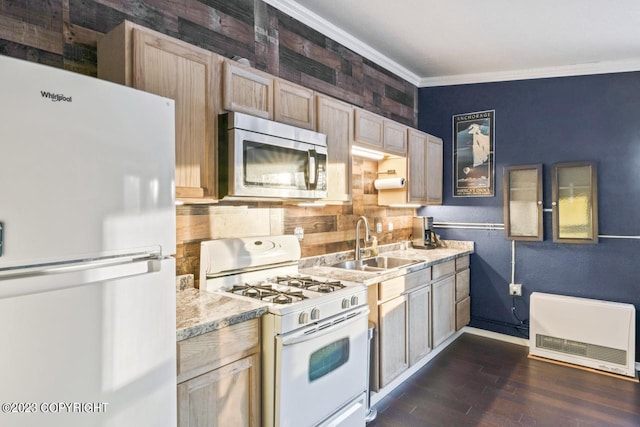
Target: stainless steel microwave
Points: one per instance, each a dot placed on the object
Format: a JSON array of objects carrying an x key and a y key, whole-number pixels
[{"x": 259, "y": 158}]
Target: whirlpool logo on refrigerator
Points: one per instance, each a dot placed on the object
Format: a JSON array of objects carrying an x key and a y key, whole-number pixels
[{"x": 55, "y": 97}]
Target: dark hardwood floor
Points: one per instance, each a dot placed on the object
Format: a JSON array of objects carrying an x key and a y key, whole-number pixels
[{"x": 479, "y": 381}]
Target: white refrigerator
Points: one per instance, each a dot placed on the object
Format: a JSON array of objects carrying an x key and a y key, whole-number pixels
[{"x": 87, "y": 230}]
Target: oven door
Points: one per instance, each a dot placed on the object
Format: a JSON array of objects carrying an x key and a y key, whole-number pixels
[
  {"x": 269, "y": 166},
  {"x": 320, "y": 369}
]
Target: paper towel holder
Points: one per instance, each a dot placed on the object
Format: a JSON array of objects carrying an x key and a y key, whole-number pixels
[{"x": 388, "y": 172}]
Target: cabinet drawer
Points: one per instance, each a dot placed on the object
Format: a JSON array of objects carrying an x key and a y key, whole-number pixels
[
  {"x": 462, "y": 284},
  {"x": 216, "y": 348},
  {"x": 443, "y": 269},
  {"x": 462, "y": 263},
  {"x": 393, "y": 287},
  {"x": 463, "y": 313}
]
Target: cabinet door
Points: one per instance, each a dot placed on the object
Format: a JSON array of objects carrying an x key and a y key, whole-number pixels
[
  {"x": 434, "y": 170},
  {"x": 186, "y": 74},
  {"x": 392, "y": 339},
  {"x": 419, "y": 326},
  {"x": 247, "y": 90},
  {"x": 369, "y": 129},
  {"x": 227, "y": 396},
  {"x": 294, "y": 105},
  {"x": 443, "y": 310},
  {"x": 395, "y": 138},
  {"x": 417, "y": 148},
  {"x": 523, "y": 202},
  {"x": 575, "y": 203},
  {"x": 335, "y": 119}
]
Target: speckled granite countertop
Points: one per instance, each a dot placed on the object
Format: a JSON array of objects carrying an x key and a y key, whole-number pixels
[
  {"x": 199, "y": 312},
  {"x": 320, "y": 266}
]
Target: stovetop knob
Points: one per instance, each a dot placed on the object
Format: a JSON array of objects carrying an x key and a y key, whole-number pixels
[
  {"x": 315, "y": 314},
  {"x": 303, "y": 318},
  {"x": 345, "y": 303},
  {"x": 354, "y": 300}
]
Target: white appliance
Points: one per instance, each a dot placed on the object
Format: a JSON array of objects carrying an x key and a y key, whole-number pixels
[
  {"x": 587, "y": 332},
  {"x": 259, "y": 158},
  {"x": 87, "y": 284},
  {"x": 314, "y": 336}
]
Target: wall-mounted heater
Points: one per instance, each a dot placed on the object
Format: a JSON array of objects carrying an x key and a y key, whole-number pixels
[{"x": 591, "y": 333}]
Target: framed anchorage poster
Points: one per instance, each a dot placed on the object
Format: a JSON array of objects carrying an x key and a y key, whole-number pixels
[{"x": 473, "y": 151}]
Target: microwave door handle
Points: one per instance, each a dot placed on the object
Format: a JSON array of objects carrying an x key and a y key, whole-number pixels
[{"x": 312, "y": 163}]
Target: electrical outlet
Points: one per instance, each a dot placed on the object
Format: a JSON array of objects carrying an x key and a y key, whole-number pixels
[
  {"x": 390, "y": 226},
  {"x": 299, "y": 233},
  {"x": 515, "y": 289},
  {"x": 379, "y": 227}
]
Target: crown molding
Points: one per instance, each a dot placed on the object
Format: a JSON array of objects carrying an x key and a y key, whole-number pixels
[
  {"x": 307, "y": 17},
  {"x": 534, "y": 73},
  {"x": 325, "y": 27}
]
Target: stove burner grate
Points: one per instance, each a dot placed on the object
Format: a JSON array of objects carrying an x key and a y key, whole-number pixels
[
  {"x": 305, "y": 282},
  {"x": 268, "y": 293}
]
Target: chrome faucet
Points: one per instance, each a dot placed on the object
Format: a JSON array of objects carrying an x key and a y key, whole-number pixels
[{"x": 367, "y": 235}]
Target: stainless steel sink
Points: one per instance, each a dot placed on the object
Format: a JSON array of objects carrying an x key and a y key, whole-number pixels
[{"x": 379, "y": 263}]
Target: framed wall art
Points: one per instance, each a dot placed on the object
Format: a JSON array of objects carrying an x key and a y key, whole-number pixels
[{"x": 473, "y": 154}]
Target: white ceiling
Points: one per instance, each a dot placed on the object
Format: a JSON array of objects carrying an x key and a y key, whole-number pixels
[{"x": 443, "y": 42}]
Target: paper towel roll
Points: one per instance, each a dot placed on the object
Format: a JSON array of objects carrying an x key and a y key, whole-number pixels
[{"x": 388, "y": 183}]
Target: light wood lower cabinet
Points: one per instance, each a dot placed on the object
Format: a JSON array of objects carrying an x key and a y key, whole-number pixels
[
  {"x": 463, "y": 300},
  {"x": 402, "y": 316},
  {"x": 219, "y": 377},
  {"x": 419, "y": 323},
  {"x": 443, "y": 309},
  {"x": 392, "y": 339},
  {"x": 223, "y": 397}
]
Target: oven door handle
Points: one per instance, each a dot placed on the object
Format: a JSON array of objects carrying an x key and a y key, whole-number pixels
[{"x": 297, "y": 339}]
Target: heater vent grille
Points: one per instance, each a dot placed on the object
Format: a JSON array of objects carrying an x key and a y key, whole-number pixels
[{"x": 592, "y": 351}]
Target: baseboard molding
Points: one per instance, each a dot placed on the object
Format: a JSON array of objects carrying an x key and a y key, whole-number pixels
[
  {"x": 380, "y": 394},
  {"x": 496, "y": 336}
]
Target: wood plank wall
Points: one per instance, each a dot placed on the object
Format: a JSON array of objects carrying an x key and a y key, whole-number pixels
[
  {"x": 63, "y": 33},
  {"x": 326, "y": 229}
]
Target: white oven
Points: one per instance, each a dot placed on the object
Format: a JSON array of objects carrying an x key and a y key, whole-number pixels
[
  {"x": 314, "y": 335},
  {"x": 316, "y": 375}
]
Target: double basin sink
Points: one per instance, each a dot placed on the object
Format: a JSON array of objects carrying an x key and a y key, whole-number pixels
[{"x": 378, "y": 263}]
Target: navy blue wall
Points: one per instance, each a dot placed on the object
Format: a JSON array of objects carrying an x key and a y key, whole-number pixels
[{"x": 585, "y": 118}]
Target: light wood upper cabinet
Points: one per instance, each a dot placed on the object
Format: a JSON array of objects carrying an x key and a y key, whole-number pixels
[
  {"x": 150, "y": 61},
  {"x": 335, "y": 119},
  {"x": 425, "y": 168},
  {"x": 368, "y": 129},
  {"x": 294, "y": 105},
  {"x": 376, "y": 132},
  {"x": 434, "y": 170},
  {"x": 247, "y": 90},
  {"x": 395, "y": 138}
]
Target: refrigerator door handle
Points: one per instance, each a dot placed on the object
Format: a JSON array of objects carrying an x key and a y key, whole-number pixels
[{"x": 69, "y": 276}]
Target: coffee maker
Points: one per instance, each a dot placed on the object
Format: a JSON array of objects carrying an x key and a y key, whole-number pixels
[{"x": 423, "y": 235}]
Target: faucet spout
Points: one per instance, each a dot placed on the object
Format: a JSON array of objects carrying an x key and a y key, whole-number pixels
[{"x": 367, "y": 235}]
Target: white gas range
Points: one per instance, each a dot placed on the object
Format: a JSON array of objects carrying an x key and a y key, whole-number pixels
[{"x": 314, "y": 336}]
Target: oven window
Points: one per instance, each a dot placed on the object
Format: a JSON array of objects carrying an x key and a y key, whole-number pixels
[{"x": 328, "y": 359}]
